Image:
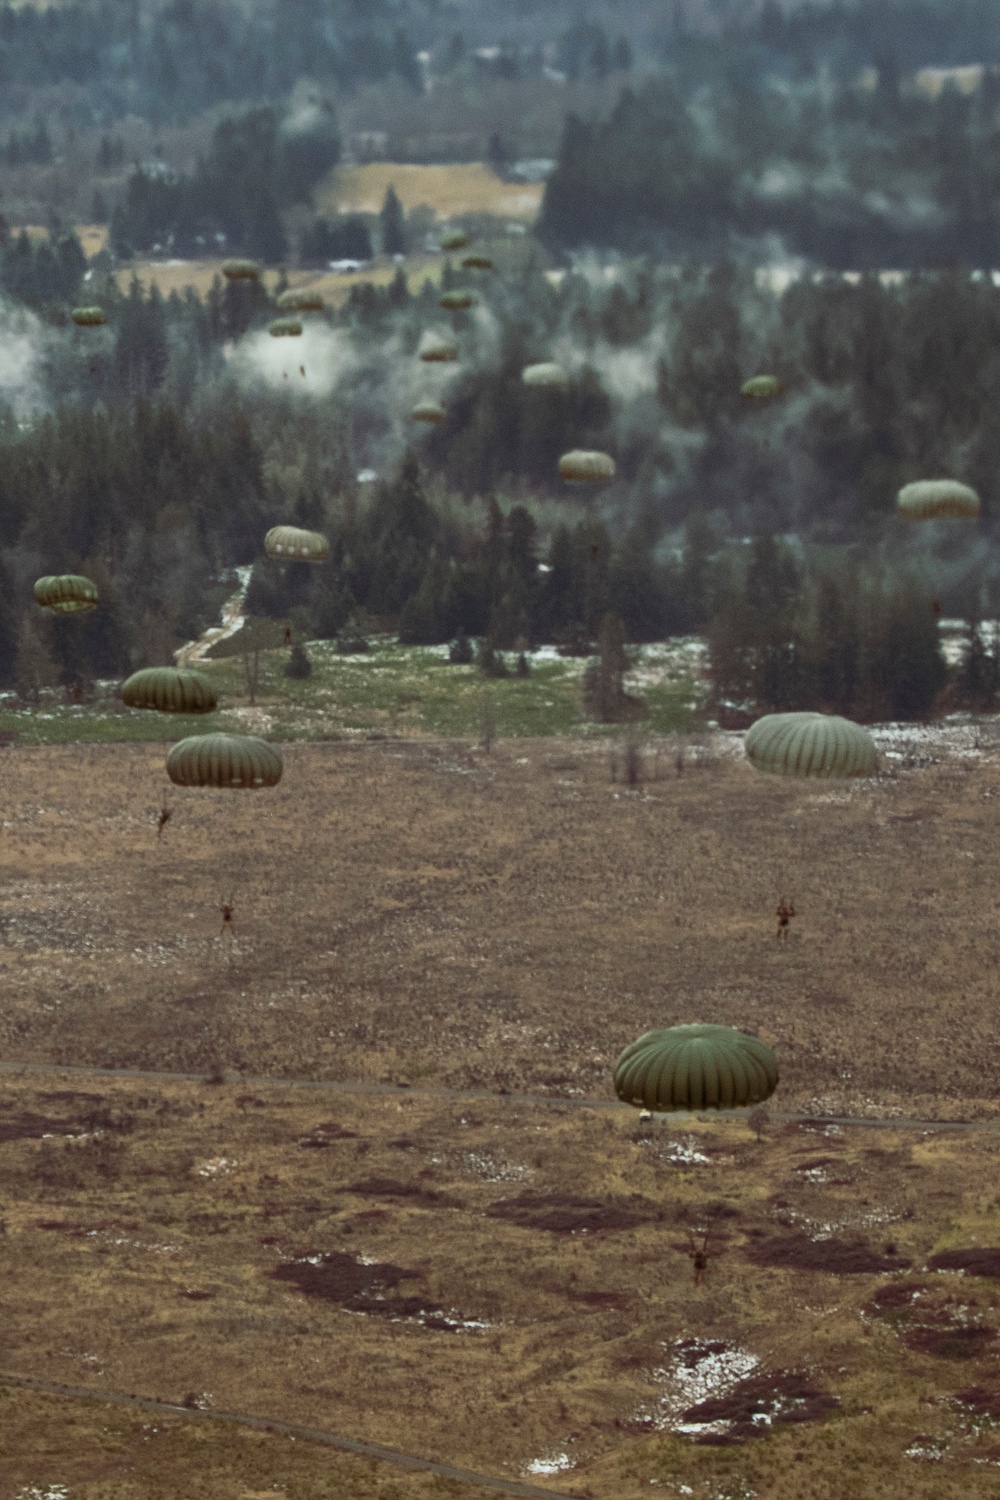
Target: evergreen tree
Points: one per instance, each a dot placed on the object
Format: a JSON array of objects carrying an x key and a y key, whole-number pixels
[
  {"x": 298, "y": 665},
  {"x": 462, "y": 652},
  {"x": 604, "y": 695},
  {"x": 393, "y": 228}
]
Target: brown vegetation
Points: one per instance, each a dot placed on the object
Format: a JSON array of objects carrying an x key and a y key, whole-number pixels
[{"x": 484, "y": 1280}]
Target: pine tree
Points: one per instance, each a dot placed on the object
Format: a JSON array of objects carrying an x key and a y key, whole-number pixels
[
  {"x": 34, "y": 667},
  {"x": 461, "y": 652},
  {"x": 604, "y": 695},
  {"x": 298, "y": 664},
  {"x": 392, "y": 224}
]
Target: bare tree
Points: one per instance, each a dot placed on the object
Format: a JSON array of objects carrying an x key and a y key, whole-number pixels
[
  {"x": 487, "y": 722},
  {"x": 759, "y": 1119},
  {"x": 250, "y": 642}
]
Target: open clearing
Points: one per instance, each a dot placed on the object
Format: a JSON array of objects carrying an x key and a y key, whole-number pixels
[
  {"x": 461, "y": 188},
  {"x": 489, "y": 1282},
  {"x": 177, "y": 275},
  {"x": 389, "y": 689},
  {"x": 464, "y": 188}
]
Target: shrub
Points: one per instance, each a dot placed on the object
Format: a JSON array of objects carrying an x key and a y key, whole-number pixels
[
  {"x": 298, "y": 664},
  {"x": 461, "y": 652}
]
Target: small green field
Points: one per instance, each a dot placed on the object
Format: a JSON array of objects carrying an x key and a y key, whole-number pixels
[{"x": 389, "y": 689}]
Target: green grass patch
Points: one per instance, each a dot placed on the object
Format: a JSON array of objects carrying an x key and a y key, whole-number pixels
[
  {"x": 398, "y": 689},
  {"x": 390, "y": 689},
  {"x": 58, "y": 724}
]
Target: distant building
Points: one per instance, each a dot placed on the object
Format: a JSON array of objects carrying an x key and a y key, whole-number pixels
[
  {"x": 933, "y": 81},
  {"x": 534, "y": 169}
]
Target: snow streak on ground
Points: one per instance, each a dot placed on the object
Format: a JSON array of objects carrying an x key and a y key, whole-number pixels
[{"x": 695, "y": 1370}]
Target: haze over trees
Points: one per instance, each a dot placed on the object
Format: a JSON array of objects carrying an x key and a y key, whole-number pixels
[{"x": 721, "y": 153}]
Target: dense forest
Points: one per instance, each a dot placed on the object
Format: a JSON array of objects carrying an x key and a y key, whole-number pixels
[
  {"x": 808, "y": 131},
  {"x": 154, "y": 452},
  {"x": 181, "y": 431}
]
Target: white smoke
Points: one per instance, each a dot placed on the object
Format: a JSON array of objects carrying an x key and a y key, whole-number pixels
[
  {"x": 327, "y": 355},
  {"x": 23, "y": 348}
]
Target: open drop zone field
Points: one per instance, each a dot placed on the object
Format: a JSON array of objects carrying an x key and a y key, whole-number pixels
[
  {"x": 419, "y": 911},
  {"x": 450, "y": 190},
  {"x": 493, "y": 1283},
  {"x": 177, "y": 275}
]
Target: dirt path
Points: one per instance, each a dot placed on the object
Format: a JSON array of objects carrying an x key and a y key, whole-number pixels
[
  {"x": 287, "y": 1429},
  {"x": 232, "y": 619}
]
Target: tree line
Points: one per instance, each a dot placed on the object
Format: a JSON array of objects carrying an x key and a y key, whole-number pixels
[
  {"x": 170, "y": 62},
  {"x": 884, "y": 383},
  {"x": 772, "y": 131},
  {"x": 258, "y": 164},
  {"x": 159, "y": 508}
]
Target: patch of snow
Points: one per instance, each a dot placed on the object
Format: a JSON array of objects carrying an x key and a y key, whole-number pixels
[
  {"x": 696, "y": 1370},
  {"x": 219, "y": 1166},
  {"x": 931, "y": 1449},
  {"x": 552, "y": 1463},
  {"x": 254, "y": 718}
]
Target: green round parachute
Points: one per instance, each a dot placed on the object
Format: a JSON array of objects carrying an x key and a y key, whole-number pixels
[
  {"x": 582, "y": 467},
  {"x": 224, "y": 761},
  {"x": 170, "y": 690},
  {"x": 299, "y": 299},
  {"x": 428, "y": 411},
  {"x": 808, "y": 744},
  {"x": 66, "y": 594},
  {"x": 241, "y": 270},
  {"x": 457, "y": 301},
  {"x": 285, "y": 328},
  {"x": 762, "y": 387},
  {"x": 550, "y": 375},
  {"x": 293, "y": 543},
  {"x": 694, "y": 1068},
  {"x": 476, "y": 262},
  {"x": 932, "y": 499},
  {"x": 438, "y": 351},
  {"x": 455, "y": 239},
  {"x": 89, "y": 317}
]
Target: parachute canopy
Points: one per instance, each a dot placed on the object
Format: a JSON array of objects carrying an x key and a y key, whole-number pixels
[
  {"x": 808, "y": 744},
  {"x": 438, "y": 350},
  {"x": 762, "y": 387},
  {"x": 66, "y": 594},
  {"x": 476, "y": 263},
  {"x": 696, "y": 1067},
  {"x": 551, "y": 375},
  {"x": 89, "y": 317},
  {"x": 285, "y": 328},
  {"x": 931, "y": 499},
  {"x": 581, "y": 467},
  {"x": 300, "y": 299},
  {"x": 455, "y": 239},
  {"x": 170, "y": 690},
  {"x": 293, "y": 542},
  {"x": 224, "y": 760},
  {"x": 457, "y": 301},
  {"x": 241, "y": 270},
  {"x": 428, "y": 411}
]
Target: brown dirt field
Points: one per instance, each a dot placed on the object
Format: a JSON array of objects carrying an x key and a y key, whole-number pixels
[
  {"x": 460, "y": 188},
  {"x": 486, "y": 1281},
  {"x": 176, "y": 1240},
  {"x": 421, "y": 912},
  {"x": 176, "y": 276}
]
